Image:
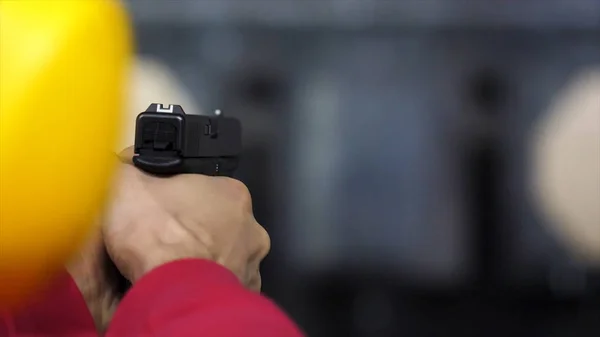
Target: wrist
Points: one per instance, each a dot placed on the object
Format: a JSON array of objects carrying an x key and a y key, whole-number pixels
[{"x": 150, "y": 265}]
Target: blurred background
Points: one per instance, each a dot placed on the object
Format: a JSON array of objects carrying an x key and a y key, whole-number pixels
[{"x": 387, "y": 151}]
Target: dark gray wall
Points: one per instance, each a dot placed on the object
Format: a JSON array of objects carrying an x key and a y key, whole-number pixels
[{"x": 377, "y": 134}]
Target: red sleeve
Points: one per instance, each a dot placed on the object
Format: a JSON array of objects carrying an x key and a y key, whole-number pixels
[
  {"x": 191, "y": 297},
  {"x": 60, "y": 312}
]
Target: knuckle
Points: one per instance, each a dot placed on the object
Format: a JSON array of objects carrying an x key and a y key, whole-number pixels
[
  {"x": 238, "y": 186},
  {"x": 240, "y": 191},
  {"x": 264, "y": 242}
]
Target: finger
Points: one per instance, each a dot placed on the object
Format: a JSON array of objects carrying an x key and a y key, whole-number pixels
[
  {"x": 263, "y": 242},
  {"x": 126, "y": 156}
]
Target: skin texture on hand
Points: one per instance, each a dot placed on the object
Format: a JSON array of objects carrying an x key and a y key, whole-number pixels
[
  {"x": 88, "y": 273},
  {"x": 155, "y": 220},
  {"x": 151, "y": 221}
]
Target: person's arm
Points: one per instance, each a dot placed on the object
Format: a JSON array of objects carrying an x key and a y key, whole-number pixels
[
  {"x": 62, "y": 311},
  {"x": 195, "y": 297}
]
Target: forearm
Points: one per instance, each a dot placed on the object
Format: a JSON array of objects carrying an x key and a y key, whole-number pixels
[{"x": 184, "y": 297}]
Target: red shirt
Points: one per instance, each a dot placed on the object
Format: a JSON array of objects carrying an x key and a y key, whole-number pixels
[{"x": 180, "y": 299}]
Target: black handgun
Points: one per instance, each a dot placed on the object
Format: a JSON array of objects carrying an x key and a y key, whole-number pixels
[{"x": 169, "y": 142}]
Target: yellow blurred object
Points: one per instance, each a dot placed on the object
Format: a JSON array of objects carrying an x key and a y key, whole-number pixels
[{"x": 63, "y": 67}]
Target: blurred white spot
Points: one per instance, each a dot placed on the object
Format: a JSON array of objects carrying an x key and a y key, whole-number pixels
[{"x": 566, "y": 162}]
